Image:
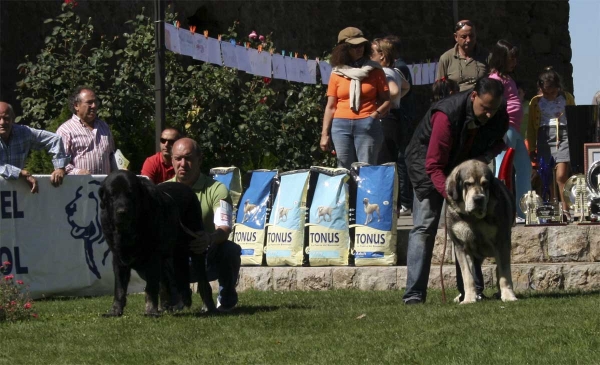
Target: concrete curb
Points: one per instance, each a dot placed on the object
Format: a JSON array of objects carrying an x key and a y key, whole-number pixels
[{"x": 539, "y": 276}]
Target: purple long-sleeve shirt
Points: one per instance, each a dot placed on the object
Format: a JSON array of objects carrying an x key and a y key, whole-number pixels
[{"x": 440, "y": 145}]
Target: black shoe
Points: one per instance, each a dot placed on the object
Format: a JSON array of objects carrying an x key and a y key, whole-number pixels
[
  {"x": 480, "y": 296},
  {"x": 413, "y": 301}
]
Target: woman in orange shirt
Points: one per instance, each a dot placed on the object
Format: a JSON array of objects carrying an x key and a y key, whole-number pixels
[{"x": 357, "y": 97}]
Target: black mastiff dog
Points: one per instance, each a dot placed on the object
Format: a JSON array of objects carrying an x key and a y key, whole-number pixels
[
  {"x": 480, "y": 216},
  {"x": 145, "y": 227}
]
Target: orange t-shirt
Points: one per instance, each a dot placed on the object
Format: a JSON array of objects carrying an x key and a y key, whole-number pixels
[{"x": 339, "y": 87}]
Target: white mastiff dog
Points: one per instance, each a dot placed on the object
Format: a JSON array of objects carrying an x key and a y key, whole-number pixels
[{"x": 480, "y": 216}]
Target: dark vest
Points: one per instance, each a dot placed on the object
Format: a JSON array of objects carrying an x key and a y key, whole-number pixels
[{"x": 459, "y": 109}]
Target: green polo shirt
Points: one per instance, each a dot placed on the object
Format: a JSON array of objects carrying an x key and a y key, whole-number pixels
[
  {"x": 465, "y": 72},
  {"x": 210, "y": 193}
]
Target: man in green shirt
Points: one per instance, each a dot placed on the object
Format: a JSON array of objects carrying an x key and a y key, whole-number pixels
[
  {"x": 223, "y": 260},
  {"x": 466, "y": 62}
]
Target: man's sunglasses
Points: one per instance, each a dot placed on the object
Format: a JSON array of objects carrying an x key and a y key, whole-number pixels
[
  {"x": 164, "y": 140},
  {"x": 459, "y": 25}
]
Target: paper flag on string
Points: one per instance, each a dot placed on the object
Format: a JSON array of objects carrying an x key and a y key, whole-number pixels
[
  {"x": 241, "y": 54},
  {"x": 325, "y": 69},
  {"x": 278, "y": 64},
  {"x": 228, "y": 52},
  {"x": 172, "y": 38}
]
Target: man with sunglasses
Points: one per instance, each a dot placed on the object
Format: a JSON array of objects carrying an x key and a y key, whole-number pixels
[
  {"x": 159, "y": 166},
  {"x": 87, "y": 139},
  {"x": 466, "y": 61}
]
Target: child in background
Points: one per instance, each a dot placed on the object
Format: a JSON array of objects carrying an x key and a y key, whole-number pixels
[
  {"x": 547, "y": 128},
  {"x": 502, "y": 63},
  {"x": 525, "y": 106},
  {"x": 444, "y": 87}
]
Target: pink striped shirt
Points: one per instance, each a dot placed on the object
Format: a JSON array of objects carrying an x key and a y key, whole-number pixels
[{"x": 91, "y": 150}]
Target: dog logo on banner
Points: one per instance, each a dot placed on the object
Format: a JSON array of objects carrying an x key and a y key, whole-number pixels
[{"x": 89, "y": 229}]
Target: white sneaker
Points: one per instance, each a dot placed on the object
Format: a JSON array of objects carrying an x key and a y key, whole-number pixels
[
  {"x": 520, "y": 220},
  {"x": 404, "y": 211}
]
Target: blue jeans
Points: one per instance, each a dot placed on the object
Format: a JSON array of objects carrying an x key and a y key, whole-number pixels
[
  {"x": 356, "y": 140},
  {"x": 521, "y": 163},
  {"x": 426, "y": 216}
]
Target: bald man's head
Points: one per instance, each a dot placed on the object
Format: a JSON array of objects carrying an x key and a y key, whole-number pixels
[
  {"x": 187, "y": 159},
  {"x": 7, "y": 118}
]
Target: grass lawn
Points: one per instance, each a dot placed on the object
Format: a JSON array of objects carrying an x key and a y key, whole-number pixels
[{"x": 331, "y": 327}]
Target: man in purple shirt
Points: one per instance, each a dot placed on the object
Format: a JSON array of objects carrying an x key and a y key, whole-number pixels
[{"x": 467, "y": 125}]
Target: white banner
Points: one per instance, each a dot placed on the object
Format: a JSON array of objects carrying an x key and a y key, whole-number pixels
[{"x": 54, "y": 240}]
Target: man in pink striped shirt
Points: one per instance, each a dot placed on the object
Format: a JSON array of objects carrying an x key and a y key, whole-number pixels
[{"x": 87, "y": 139}]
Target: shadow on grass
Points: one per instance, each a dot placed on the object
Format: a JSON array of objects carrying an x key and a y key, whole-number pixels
[
  {"x": 242, "y": 310},
  {"x": 558, "y": 294},
  {"x": 523, "y": 295},
  {"x": 63, "y": 299}
]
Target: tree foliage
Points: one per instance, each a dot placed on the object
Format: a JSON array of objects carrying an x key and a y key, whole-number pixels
[{"x": 238, "y": 119}]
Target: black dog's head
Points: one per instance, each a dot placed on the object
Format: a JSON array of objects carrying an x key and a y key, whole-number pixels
[
  {"x": 122, "y": 202},
  {"x": 468, "y": 188}
]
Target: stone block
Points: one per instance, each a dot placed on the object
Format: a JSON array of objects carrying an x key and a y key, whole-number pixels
[
  {"x": 546, "y": 277},
  {"x": 284, "y": 278},
  {"x": 528, "y": 244},
  {"x": 438, "y": 248},
  {"x": 377, "y": 278},
  {"x": 582, "y": 277},
  {"x": 258, "y": 278},
  {"x": 314, "y": 278},
  {"x": 344, "y": 277},
  {"x": 568, "y": 243},
  {"x": 521, "y": 275},
  {"x": 401, "y": 275},
  {"x": 449, "y": 273},
  {"x": 489, "y": 275},
  {"x": 594, "y": 245}
]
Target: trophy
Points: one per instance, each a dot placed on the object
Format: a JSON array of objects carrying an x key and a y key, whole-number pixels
[
  {"x": 529, "y": 204},
  {"x": 578, "y": 197},
  {"x": 549, "y": 212},
  {"x": 592, "y": 179}
]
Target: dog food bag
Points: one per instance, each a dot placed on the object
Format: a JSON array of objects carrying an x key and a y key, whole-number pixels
[
  {"x": 285, "y": 231},
  {"x": 373, "y": 214},
  {"x": 328, "y": 237},
  {"x": 251, "y": 217},
  {"x": 231, "y": 178}
]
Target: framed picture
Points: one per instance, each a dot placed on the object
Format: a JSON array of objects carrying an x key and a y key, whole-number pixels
[{"x": 591, "y": 154}]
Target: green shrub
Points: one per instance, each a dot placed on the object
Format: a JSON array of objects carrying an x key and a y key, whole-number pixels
[{"x": 238, "y": 119}]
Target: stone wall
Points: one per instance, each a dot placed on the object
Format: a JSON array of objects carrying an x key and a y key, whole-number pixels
[
  {"x": 540, "y": 28},
  {"x": 544, "y": 258}
]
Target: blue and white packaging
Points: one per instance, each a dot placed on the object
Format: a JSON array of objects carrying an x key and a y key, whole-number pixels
[
  {"x": 328, "y": 236},
  {"x": 373, "y": 214},
  {"x": 232, "y": 179},
  {"x": 285, "y": 230},
  {"x": 252, "y": 215}
]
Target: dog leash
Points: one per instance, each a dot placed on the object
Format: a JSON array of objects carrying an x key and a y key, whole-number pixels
[
  {"x": 185, "y": 229},
  {"x": 444, "y": 255}
]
